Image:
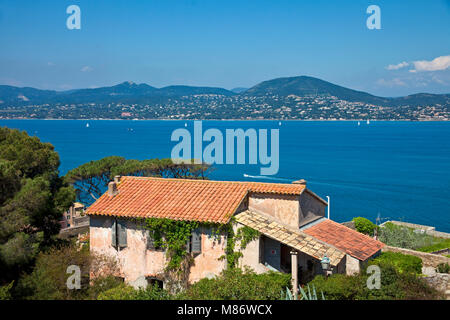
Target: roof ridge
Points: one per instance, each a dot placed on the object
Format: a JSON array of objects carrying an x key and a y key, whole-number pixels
[{"x": 213, "y": 181}]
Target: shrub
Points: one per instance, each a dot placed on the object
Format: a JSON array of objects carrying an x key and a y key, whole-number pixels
[
  {"x": 437, "y": 244},
  {"x": 48, "y": 280},
  {"x": 237, "y": 284},
  {"x": 403, "y": 263},
  {"x": 394, "y": 286},
  {"x": 122, "y": 292},
  {"x": 339, "y": 287},
  {"x": 102, "y": 284},
  {"x": 126, "y": 292},
  {"x": 5, "y": 291},
  {"x": 403, "y": 237},
  {"x": 364, "y": 225},
  {"x": 443, "y": 268}
]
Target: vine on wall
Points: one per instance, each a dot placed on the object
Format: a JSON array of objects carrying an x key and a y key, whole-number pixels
[
  {"x": 173, "y": 235},
  {"x": 244, "y": 236}
]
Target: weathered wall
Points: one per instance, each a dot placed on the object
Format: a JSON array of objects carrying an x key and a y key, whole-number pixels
[
  {"x": 136, "y": 260},
  {"x": 311, "y": 208},
  {"x": 352, "y": 265},
  {"x": 251, "y": 256},
  {"x": 207, "y": 263},
  {"x": 439, "y": 281},
  {"x": 284, "y": 208},
  {"x": 428, "y": 259}
]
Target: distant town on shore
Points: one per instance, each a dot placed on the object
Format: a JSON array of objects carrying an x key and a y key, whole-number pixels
[{"x": 292, "y": 98}]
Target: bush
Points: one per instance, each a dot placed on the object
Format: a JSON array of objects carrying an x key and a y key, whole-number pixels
[
  {"x": 5, "y": 291},
  {"x": 237, "y": 284},
  {"x": 394, "y": 286},
  {"x": 126, "y": 292},
  {"x": 403, "y": 263},
  {"x": 48, "y": 280},
  {"x": 443, "y": 268},
  {"x": 102, "y": 284},
  {"x": 403, "y": 237},
  {"x": 340, "y": 287},
  {"x": 437, "y": 244},
  {"x": 122, "y": 292},
  {"x": 364, "y": 225}
]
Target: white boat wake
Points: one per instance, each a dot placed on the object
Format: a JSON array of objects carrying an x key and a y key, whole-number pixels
[{"x": 266, "y": 177}]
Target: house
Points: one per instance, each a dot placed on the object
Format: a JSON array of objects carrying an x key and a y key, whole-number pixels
[
  {"x": 71, "y": 216},
  {"x": 294, "y": 233}
]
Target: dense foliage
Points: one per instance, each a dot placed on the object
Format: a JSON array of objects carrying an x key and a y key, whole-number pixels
[
  {"x": 403, "y": 237},
  {"x": 48, "y": 280},
  {"x": 364, "y": 225},
  {"x": 32, "y": 200},
  {"x": 126, "y": 292},
  {"x": 436, "y": 245},
  {"x": 237, "y": 284},
  {"x": 91, "y": 179},
  {"x": 394, "y": 285},
  {"x": 403, "y": 263},
  {"x": 443, "y": 268}
]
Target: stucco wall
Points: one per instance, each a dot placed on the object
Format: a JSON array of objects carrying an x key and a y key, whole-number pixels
[
  {"x": 207, "y": 263},
  {"x": 352, "y": 265},
  {"x": 250, "y": 257},
  {"x": 284, "y": 208},
  {"x": 136, "y": 260},
  {"x": 311, "y": 208}
]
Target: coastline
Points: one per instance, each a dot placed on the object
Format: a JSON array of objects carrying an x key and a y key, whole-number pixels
[{"x": 275, "y": 119}]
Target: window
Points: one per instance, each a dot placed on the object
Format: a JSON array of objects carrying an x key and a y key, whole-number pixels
[
  {"x": 151, "y": 242},
  {"x": 152, "y": 281},
  {"x": 194, "y": 244},
  {"x": 119, "y": 234}
]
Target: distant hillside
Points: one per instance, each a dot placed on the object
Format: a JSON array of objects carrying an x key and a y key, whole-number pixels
[
  {"x": 129, "y": 92},
  {"x": 303, "y": 86},
  {"x": 239, "y": 90}
]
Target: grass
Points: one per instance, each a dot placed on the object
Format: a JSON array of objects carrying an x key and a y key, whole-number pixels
[{"x": 438, "y": 244}]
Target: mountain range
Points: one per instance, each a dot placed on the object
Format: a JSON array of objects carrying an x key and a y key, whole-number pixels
[{"x": 130, "y": 92}]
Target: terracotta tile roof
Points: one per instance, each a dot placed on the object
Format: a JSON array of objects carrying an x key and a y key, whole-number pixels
[
  {"x": 293, "y": 238},
  {"x": 182, "y": 199},
  {"x": 348, "y": 240}
]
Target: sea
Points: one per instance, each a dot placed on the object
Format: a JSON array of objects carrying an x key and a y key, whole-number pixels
[{"x": 394, "y": 170}]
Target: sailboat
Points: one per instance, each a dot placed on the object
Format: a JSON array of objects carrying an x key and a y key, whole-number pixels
[
  {"x": 359, "y": 123},
  {"x": 368, "y": 121},
  {"x": 87, "y": 125}
]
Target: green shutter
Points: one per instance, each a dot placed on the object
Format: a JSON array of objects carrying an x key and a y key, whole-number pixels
[
  {"x": 122, "y": 233},
  {"x": 114, "y": 233},
  {"x": 150, "y": 241},
  {"x": 197, "y": 241}
]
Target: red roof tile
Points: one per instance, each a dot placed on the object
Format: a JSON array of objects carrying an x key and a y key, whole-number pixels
[
  {"x": 182, "y": 199},
  {"x": 348, "y": 240}
]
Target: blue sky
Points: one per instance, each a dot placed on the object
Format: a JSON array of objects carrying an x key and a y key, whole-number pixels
[{"x": 226, "y": 43}]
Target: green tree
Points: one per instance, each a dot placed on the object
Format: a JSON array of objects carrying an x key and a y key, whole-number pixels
[
  {"x": 364, "y": 225},
  {"x": 48, "y": 280},
  {"x": 32, "y": 200},
  {"x": 91, "y": 179}
]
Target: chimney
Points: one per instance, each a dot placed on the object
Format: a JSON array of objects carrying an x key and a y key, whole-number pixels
[
  {"x": 117, "y": 179},
  {"x": 301, "y": 181},
  {"x": 112, "y": 189}
]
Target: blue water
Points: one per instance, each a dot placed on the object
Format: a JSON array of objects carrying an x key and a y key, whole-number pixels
[{"x": 400, "y": 170}]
